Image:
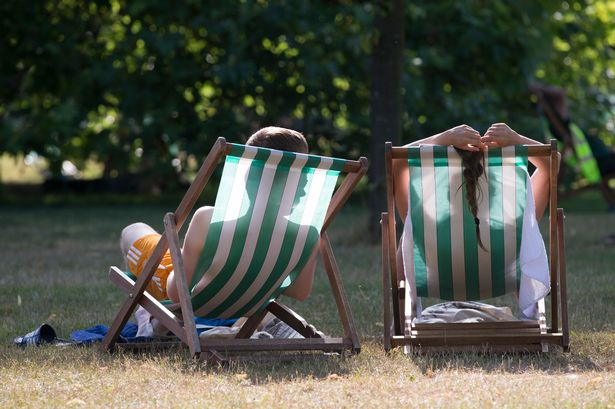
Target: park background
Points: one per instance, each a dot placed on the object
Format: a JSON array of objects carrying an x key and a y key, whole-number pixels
[{"x": 108, "y": 107}]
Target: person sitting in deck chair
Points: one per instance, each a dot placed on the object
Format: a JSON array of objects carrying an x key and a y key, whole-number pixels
[
  {"x": 586, "y": 153},
  {"x": 468, "y": 140},
  {"x": 138, "y": 240},
  {"x": 470, "y": 145}
]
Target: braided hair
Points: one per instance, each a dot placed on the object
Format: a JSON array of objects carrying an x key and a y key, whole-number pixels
[{"x": 473, "y": 169}]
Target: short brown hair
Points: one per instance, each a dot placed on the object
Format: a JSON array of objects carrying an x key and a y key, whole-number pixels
[{"x": 284, "y": 139}]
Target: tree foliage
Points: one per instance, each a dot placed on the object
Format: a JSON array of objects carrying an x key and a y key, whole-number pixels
[
  {"x": 581, "y": 59},
  {"x": 144, "y": 86},
  {"x": 470, "y": 62},
  {"x": 140, "y": 85}
]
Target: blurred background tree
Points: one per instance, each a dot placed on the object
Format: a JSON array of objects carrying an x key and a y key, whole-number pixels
[
  {"x": 144, "y": 87},
  {"x": 581, "y": 60}
]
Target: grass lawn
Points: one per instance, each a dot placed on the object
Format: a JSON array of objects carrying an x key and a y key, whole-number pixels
[{"x": 54, "y": 269}]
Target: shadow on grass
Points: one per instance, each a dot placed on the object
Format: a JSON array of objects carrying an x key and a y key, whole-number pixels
[
  {"x": 256, "y": 370},
  {"x": 256, "y": 366},
  {"x": 514, "y": 363},
  {"x": 589, "y": 352},
  {"x": 260, "y": 367},
  {"x": 285, "y": 368}
]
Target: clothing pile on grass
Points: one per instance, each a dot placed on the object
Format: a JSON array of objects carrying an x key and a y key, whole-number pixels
[{"x": 146, "y": 330}]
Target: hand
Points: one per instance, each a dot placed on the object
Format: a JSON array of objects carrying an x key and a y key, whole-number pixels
[
  {"x": 501, "y": 135},
  {"x": 463, "y": 137}
]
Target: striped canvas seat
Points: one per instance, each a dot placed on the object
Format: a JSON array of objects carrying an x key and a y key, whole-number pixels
[
  {"x": 267, "y": 219},
  {"x": 448, "y": 262}
]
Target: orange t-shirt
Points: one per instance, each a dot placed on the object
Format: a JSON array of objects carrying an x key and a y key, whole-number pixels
[{"x": 137, "y": 256}]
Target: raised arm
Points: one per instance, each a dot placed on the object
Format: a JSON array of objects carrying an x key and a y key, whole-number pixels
[
  {"x": 500, "y": 135},
  {"x": 461, "y": 136}
]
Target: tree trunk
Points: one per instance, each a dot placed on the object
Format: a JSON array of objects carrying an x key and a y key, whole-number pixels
[{"x": 387, "y": 62}]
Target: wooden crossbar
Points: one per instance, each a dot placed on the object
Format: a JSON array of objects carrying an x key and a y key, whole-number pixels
[
  {"x": 532, "y": 150},
  {"x": 472, "y": 339}
]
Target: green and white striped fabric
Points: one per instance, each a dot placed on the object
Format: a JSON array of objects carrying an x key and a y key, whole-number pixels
[
  {"x": 267, "y": 219},
  {"x": 448, "y": 262}
]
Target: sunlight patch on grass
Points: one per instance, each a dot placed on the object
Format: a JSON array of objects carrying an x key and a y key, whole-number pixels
[{"x": 15, "y": 169}]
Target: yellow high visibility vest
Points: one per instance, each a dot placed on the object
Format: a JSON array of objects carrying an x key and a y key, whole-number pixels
[{"x": 583, "y": 159}]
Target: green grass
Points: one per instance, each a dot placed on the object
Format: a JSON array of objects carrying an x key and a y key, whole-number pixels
[{"x": 54, "y": 269}]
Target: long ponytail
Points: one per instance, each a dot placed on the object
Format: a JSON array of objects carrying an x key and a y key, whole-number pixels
[{"x": 473, "y": 169}]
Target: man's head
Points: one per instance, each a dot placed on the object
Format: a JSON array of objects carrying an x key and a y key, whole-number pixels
[
  {"x": 555, "y": 97},
  {"x": 284, "y": 139}
]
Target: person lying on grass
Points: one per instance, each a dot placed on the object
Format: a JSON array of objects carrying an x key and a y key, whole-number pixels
[{"x": 138, "y": 240}]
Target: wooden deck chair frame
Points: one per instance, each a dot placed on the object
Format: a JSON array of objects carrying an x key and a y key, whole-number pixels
[
  {"x": 493, "y": 336},
  {"x": 185, "y": 328}
]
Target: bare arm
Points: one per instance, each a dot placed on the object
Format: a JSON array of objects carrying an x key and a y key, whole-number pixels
[
  {"x": 500, "y": 135},
  {"x": 462, "y": 137},
  {"x": 302, "y": 286},
  {"x": 193, "y": 246}
]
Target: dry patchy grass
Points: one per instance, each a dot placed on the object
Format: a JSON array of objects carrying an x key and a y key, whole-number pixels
[{"x": 54, "y": 269}]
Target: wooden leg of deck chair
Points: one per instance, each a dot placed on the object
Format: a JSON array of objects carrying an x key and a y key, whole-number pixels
[
  {"x": 190, "y": 198},
  {"x": 248, "y": 327},
  {"x": 384, "y": 225},
  {"x": 153, "y": 306},
  {"x": 294, "y": 320},
  {"x": 562, "y": 280},
  {"x": 133, "y": 298},
  {"x": 396, "y": 294},
  {"x": 339, "y": 294},
  {"x": 170, "y": 230},
  {"x": 553, "y": 236},
  {"x": 542, "y": 322}
]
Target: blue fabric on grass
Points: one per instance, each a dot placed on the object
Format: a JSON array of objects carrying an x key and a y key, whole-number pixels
[
  {"x": 129, "y": 332},
  {"x": 98, "y": 332},
  {"x": 215, "y": 322}
]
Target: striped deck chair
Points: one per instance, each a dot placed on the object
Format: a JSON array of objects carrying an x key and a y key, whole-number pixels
[
  {"x": 271, "y": 209},
  {"x": 439, "y": 257}
]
